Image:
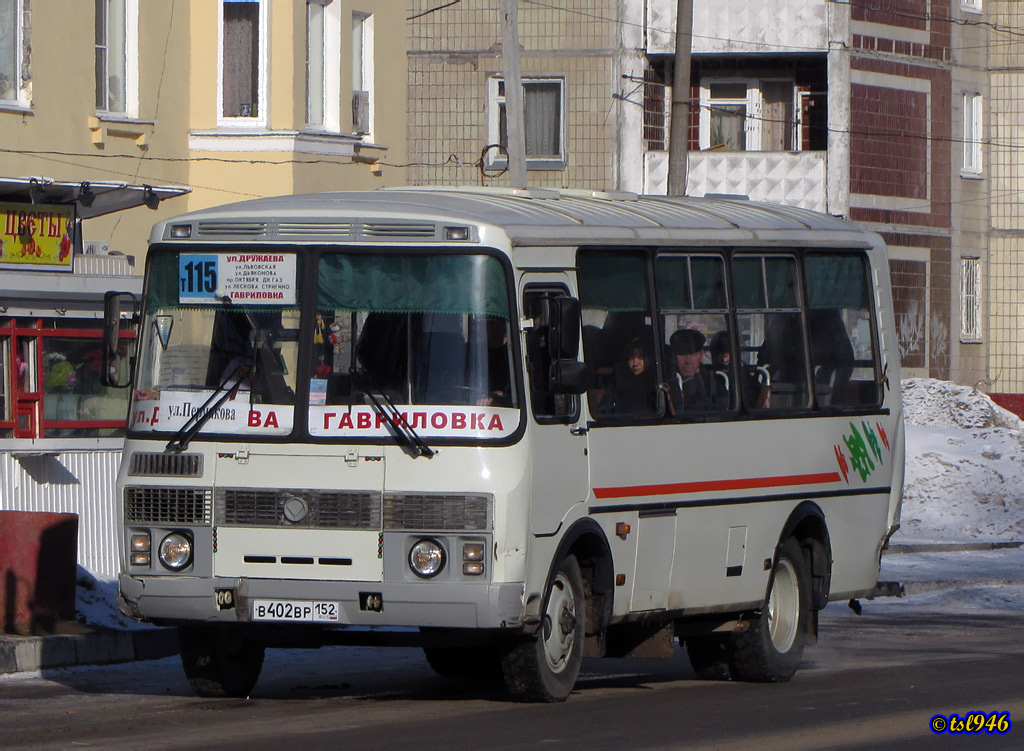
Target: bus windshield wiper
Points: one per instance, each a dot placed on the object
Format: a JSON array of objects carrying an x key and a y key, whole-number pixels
[
  {"x": 244, "y": 371},
  {"x": 403, "y": 433},
  {"x": 202, "y": 415}
]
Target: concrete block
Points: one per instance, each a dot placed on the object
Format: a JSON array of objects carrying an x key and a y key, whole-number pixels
[
  {"x": 53, "y": 652},
  {"x": 154, "y": 644},
  {"x": 8, "y": 659},
  {"x": 104, "y": 648}
]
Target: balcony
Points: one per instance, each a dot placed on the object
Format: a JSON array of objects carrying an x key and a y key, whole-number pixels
[
  {"x": 743, "y": 26},
  {"x": 790, "y": 178}
]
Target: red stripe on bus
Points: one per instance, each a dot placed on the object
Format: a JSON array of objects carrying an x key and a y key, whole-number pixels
[{"x": 707, "y": 486}]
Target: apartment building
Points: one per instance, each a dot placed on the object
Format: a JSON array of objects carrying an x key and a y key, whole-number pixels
[
  {"x": 117, "y": 113},
  {"x": 882, "y": 113}
]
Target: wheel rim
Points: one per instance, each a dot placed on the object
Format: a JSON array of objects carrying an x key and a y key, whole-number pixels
[
  {"x": 559, "y": 633},
  {"x": 784, "y": 606}
]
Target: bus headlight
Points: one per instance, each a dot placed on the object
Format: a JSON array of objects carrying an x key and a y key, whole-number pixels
[
  {"x": 176, "y": 551},
  {"x": 426, "y": 559}
]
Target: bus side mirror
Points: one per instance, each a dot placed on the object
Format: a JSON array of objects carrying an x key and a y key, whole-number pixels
[
  {"x": 561, "y": 317},
  {"x": 112, "y": 374},
  {"x": 568, "y": 377}
]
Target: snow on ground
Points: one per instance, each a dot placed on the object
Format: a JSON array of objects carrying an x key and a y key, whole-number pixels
[
  {"x": 965, "y": 466},
  {"x": 964, "y": 484}
]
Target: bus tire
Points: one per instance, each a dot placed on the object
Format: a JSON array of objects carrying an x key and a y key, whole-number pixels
[
  {"x": 467, "y": 662},
  {"x": 544, "y": 667},
  {"x": 709, "y": 656},
  {"x": 771, "y": 649},
  {"x": 220, "y": 661}
]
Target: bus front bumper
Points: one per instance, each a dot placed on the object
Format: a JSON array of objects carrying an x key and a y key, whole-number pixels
[{"x": 176, "y": 600}]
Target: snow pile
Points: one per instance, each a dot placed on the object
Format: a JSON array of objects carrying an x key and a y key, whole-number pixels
[
  {"x": 96, "y": 603},
  {"x": 965, "y": 466}
]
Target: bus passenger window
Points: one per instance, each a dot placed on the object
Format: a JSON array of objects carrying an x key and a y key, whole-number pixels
[
  {"x": 841, "y": 330},
  {"x": 693, "y": 308},
  {"x": 771, "y": 330},
  {"x": 618, "y": 336}
]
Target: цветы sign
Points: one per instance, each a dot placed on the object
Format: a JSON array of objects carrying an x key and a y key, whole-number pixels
[{"x": 35, "y": 235}]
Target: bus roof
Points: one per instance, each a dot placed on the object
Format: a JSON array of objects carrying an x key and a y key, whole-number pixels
[{"x": 529, "y": 217}]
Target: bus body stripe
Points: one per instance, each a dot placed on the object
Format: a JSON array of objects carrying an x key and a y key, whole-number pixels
[{"x": 708, "y": 486}]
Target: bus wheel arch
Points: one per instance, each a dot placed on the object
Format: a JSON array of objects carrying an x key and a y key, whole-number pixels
[
  {"x": 586, "y": 541},
  {"x": 806, "y": 524}
]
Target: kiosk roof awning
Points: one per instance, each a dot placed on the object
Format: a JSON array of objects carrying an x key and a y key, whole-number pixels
[{"x": 91, "y": 199}]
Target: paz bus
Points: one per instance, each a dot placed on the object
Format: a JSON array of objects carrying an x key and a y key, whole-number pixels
[{"x": 513, "y": 427}]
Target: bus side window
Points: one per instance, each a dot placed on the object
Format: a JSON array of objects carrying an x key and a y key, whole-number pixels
[
  {"x": 841, "y": 327},
  {"x": 618, "y": 336},
  {"x": 771, "y": 329},
  {"x": 693, "y": 307}
]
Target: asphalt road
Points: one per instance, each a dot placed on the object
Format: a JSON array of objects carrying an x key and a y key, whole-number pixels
[{"x": 873, "y": 682}]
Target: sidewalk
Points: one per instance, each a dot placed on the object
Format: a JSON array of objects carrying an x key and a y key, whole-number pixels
[
  {"x": 87, "y": 647},
  {"x": 906, "y": 570}
]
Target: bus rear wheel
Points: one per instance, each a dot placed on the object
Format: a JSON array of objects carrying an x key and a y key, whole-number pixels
[
  {"x": 544, "y": 667},
  {"x": 220, "y": 661},
  {"x": 771, "y": 649}
]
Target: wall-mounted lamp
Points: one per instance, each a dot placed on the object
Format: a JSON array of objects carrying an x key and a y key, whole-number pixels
[
  {"x": 150, "y": 198},
  {"x": 85, "y": 194},
  {"x": 37, "y": 191}
]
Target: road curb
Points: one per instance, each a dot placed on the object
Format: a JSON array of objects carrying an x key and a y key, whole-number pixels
[
  {"x": 19, "y": 654},
  {"x": 949, "y": 547}
]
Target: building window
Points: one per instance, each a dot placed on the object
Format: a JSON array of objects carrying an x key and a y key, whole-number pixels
[
  {"x": 362, "y": 73},
  {"x": 14, "y": 49},
  {"x": 750, "y": 115},
  {"x": 655, "y": 109},
  {"x": 315, "y": 54},
  {"x": 243, "y": 41},
  {"x": 51, "y": 381},
  {"x": 116, "y": 56},
  {"x": 970, "y": 299},
  {"x": 543, "y": 120},
  {"x": 972, "y": 134},
  {"x": 971, "y": 6}
]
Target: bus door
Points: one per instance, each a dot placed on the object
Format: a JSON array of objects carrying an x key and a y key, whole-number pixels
[{"x": 558, "y": 433}]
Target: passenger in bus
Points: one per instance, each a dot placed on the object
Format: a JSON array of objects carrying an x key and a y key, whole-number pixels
[
  {"x": 755, "y": 394},
  {"x": 499, "y": 372},
  {"x": 633, "y": 387},
  {"x": 692, "y": 387}
]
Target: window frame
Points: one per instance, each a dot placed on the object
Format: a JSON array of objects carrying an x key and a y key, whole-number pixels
[
  {"x": 973, "y": 122},
  {"x": 971, "y": 6},
  {"x": 260, "y": 120},
  {"x": 363, "y": 64},
  {"x": 32, "y": 400},
  {"x": 754, "y": 115},
  {"x": 970, "y": 300},
  {"x": 328, "y": 85},
  {"x": 20, "y": 99},
  {"x": 495, "y": 103},
  {"x": 130, "y": 43}
]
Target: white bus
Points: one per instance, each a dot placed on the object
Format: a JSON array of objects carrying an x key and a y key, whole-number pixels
[{"x": 514, "y": 427}]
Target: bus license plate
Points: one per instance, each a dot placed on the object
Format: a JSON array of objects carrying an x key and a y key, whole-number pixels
[{"x": 304, "y": 611}]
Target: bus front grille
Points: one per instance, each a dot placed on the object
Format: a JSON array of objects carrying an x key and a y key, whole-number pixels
[
  {"x": 169, "y": 465},
  {"x": 167, "y": 505},
  {"x": 317, "y": 509},
  {"x": 430, "y": 511}
]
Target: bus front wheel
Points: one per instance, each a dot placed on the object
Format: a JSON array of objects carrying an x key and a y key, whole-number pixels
[
  {"x": 220, "y": 661},
  {"x": 771, "y": 649},
  {"x": 544, "y": 667}
]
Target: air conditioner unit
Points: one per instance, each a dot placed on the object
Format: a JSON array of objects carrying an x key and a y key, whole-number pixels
[{"x": 361, "y": 112}]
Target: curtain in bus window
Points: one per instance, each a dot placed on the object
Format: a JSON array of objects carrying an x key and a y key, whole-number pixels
[
  {"x": 841, "y": 332},
  {"x": 618, "y": 336},
  {"x": 413, "y": 284}
]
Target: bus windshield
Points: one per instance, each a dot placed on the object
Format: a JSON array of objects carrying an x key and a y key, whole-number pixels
[{"x": 427, "y": 334}]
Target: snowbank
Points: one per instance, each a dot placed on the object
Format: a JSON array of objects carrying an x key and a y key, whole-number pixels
[{"x": 965, "y": 466}]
